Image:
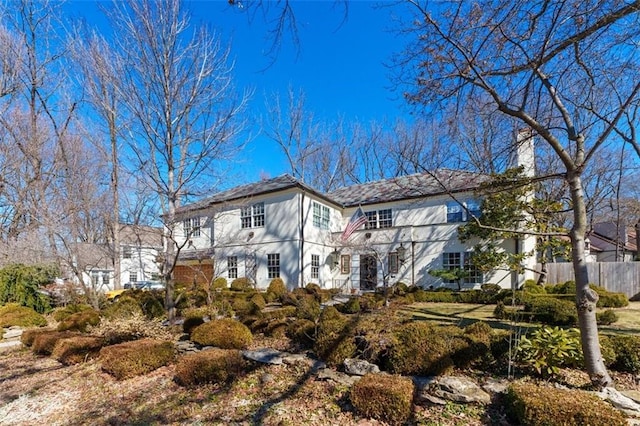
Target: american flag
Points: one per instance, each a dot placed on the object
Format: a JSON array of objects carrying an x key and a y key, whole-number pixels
[{"x": 357, "y": 220}]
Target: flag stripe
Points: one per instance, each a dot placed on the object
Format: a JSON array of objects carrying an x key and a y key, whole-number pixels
[{"x": 357, "y": 220}]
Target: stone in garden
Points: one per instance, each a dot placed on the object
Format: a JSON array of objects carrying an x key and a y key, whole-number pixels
[
  {"x": 457, "y": 389},
  {"x": 359, "y": 367},
  {"x": 264, "y": 356}
]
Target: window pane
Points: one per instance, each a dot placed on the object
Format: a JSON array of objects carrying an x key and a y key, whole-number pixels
[
  {"x": 273, "y": 265},
  {"x": 195, "y": 227},
  {"x": 126, "y": 252},
  {"x": 315, "y": 266},
  {"x": 372, "y": 220},
  {"x": 133, "y": 277},
  {"x": 473, "y": 207},
  {"x": 451, "y": 261},
  {"x": 454, "y": 212},
  {"x": 232, "y": 267},
  {"x": 326, "y": 219},
  {"x": 475, "y": 275},
  {"x": 258, "y": 215},
  {"x": 393, "y": 263},
  {"x": 384, "y": 218}
]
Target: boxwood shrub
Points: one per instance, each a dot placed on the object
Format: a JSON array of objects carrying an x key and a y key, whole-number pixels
[
  {"x": 384, "y": 397},
  {"x": 210, "y": 366},
  {"x": 536, "y": 405},
  {"x": 74, "y": 350},
  {"x": 335, "y": 340},
  {"x": 80, "y": 321},
  {"x": 130, "y": 359},
  {"x": 223, "y": 333},
  {"x": 13, "y": 314}
]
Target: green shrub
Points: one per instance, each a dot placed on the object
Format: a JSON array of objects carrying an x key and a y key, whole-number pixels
[
  {"x": 242, "y": 307},
  {"x": 80, "y": 321},
  {"x": 352, "y": 306},
  {"x": 532, "y": 287},
  {"x": 568, "y": 287},
  {"x": 551, "y": 311},
  {"x": 491, "y": 288},
  {"x": 151, "y": 303},
  {"x": 400, "y": 289},
  {"x": 191, "y": 323},
  {"x": 302, "y": 332},
  {"x": 21, "y": 284},
  {"x": 279, "y": 313},
  {"x": 627, "y": 353},
  {"x": 60, "y": 314},
  {"x": 241, "y": 284},
  {"x": 335, "y": 340},
  {"x": 124, "y": 307},
  {"x": 307, "y": 307},
  {"x": 258, "y": 303},
  {"x": 131, "y": 359},
  {"x": 277, "y": 288},
  {"x": 29, "y": 335},
  {"x": 438, "y": 297},
  {"x": 13, "y": 314},
  {"x": 606, "y": 317},
  {"x": 220, "y": 283},
  {"x": 383, "y": 397},
  {"x": 422, "y": 348},
  {"x": 535, "y": 405},
  {"x": 370, "y": 302},
  {"x": 74, "y": 350},
  {"x": 224, "y": 333},
  {"x": 548, "y": 349},
  {"x": 43, "y": 343},
  {"x": 210, "y": 366},
  {"x": 607, "y": 299}
]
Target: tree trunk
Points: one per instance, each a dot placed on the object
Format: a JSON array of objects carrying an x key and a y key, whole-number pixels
[{"x": 586, "y": 298}]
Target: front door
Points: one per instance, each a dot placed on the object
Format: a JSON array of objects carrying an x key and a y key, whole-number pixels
[{"x": 368, "y": 272}]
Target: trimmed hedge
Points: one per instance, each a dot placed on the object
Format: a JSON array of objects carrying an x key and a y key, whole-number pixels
[
  {"x": 535, "y": 405},
  {"x": 621, "y": 352},
  {"x": 74, "y": 350},
  {"x": 131, "y": 359},
  {"x": 80, "y": 321},
  {"x": 211, "y": 366},
  {"x": 334, "y": 340},
  {"x": 13, "y": 314},
  {"x": 44, "y": 343},
  {"x": 29, "y": 335},
  {"x": 224, "y": 333},
  {"x": 550, "y": 310},
  {"x": 384, "y": 397}
]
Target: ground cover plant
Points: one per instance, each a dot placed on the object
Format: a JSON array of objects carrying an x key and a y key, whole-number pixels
[{"x": 216, "y": 386}]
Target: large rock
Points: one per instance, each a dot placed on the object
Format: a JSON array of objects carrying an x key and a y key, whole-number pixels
[
  {"x": 621, "y": 402},
  {"x": 336, "y": 376},
  {"x": 359, "y": 367},
  {"x": 12, "y": 333},
  {"x": 451, "y": 388},
  {"x": 264, "y": 356}
]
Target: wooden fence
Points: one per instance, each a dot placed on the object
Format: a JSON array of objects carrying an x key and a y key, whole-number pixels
[{"x": 619, "y": 277}]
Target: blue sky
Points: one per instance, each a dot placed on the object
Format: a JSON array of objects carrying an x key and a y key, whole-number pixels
[{"x": 340, "y": 63}]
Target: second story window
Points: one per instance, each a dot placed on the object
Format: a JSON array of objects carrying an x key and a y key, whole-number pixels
[
  {"x": 321, "y": 217},
  {"x": 379, "y": 219},
  {"x": 191, "y": 227},
  {"x": 457, "y": 212},
  {"x": 126, "y": 252},
  {"x": 252, "y": 216}
]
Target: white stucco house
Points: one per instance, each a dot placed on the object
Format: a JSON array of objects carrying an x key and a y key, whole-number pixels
[
  {"x": 139, "y": 248},
  {"x": 282, "y": 227}
]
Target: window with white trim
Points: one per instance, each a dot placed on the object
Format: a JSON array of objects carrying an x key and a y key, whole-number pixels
[
  {"x": 379, "y": 219},
  {"x": 232, "y": 267},
  {"x": 133, "y": 277},
  {"x": 273, "y": 265},
  {"x": 191, "y": 227},
  {"x": 95, "y": 278},
  {"x": 345, "y": 264},
  {"x": 454, "y": 261},
  {"x": 315, "y": 266},
  {"x": 126, "y": 252},
  {"x": 462, "y": 212},
  {"x": 321, "y": 217},
  {"x": 252, "y": 216}
]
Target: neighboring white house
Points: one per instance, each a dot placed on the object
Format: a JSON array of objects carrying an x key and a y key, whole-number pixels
[
  {"x": 282, "y": 227},
  {"x": 610, "y": 243},
  {"x": 139, "y": 248}
]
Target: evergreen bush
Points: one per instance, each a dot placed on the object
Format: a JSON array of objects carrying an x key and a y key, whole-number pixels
[
  {"x": 551, "y": 311},
  {"x": 223, "y": 333},
  {"x": 21, "y": 284},
  {"x": 241, "y": 284},
  {"x": 335, "y": 339},
  {"x": 43, "y": 343},
  {"x": 135, "y": 358},
  {"x": 277, "y": 288},
  {"x": 13, "y": 314},
  {"x": 80, "y": 321},
  {"x": 384, "y": 397},
  {"x": 210, "y": 366},
  {"x": 74, "y": 350},
  {"x": 536, "y": 405},
  {"x": 606, "y": 317}
]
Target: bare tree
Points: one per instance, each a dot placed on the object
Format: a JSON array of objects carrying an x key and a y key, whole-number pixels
[
  {"x": 318, "y": 153},
  {"x": 185, "y": 115},
  {"x": 546, "y": 65}
]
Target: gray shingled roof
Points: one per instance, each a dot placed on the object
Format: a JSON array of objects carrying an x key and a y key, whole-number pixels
[
  {"x": 420, "y": 185},
  {"x": 401, "y": 188},
  {"x": 279, "y": 183}
]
